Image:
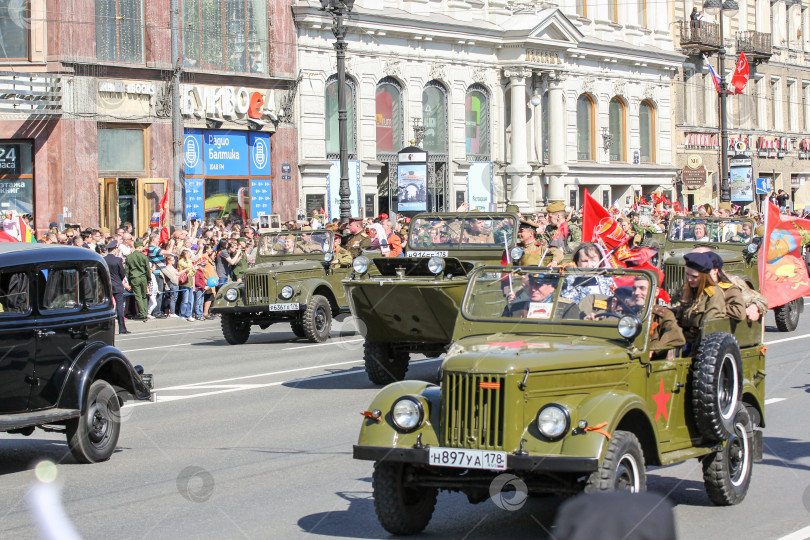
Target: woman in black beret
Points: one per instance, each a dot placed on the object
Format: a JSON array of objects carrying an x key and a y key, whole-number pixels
[{"x": 701, "y": 298}]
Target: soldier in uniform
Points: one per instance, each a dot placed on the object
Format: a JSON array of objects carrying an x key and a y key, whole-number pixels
[
  {"x": 306, "y": 243},
  {"x": 343, "y": 259},
  {"x": 241, "y": 266},
  {"x": 664, "y": 330},
  {"x": 742, "y": 302},
  {"x": 358, "y": 239},
  {"x": 290, "y": 247},
  {"x": 558, "y": 232},
  {"x": 475, "y": 232},
  {"x": 533, "y": 250},
  {"x": 138, "y": 274},
  {"x": 701, "y": 299}
]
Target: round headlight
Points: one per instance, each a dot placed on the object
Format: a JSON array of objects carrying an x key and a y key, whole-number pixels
[
  {"x": 360, "y": 265},
  {"x": 752, "y": 248},
  {"x": 629, "y": 327},
  {"x": 517, "y": 254},
  {"x": 231, "y": 294},
  {"x": 407, "y": 414},
  {"x": 436, "y": 265},
  {"x": 286, "y": 292},
  {"x": 328, "y": 256},
  {"x": 553, "y": 421}
]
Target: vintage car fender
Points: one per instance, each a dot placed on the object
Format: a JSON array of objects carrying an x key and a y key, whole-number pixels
[
  {"x": 305, "y": 288},
  {"x": 99, "y": 360},
  {"x": 383, "y": 434}
]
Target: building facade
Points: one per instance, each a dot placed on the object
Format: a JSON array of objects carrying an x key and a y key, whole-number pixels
[
  {"x": 87, "y": 110},
  {"x": 521, "y": 103}
]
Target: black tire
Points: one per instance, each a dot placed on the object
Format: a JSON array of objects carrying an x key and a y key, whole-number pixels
[
  {"x": 384, "y": 365},
  {"x": 716, "y": 385},
  {"x": 727, "y": 472},
  {"x": 298, "y": 328},
  {"x": 317, "y": 321},
  {"x": 94, "y": 435},
  {"x": 234, "y": 331},
  {"x": 787, "y": 316},
  {"x": 622, "y": 468},
  {"x": 401, "y": 510}
]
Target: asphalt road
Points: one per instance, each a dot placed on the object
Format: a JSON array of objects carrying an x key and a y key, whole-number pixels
[{"x": 254, "y": 441}]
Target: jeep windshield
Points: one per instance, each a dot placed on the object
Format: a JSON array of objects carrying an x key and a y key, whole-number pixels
[
  {"x": 295, "y": 243},
  {"x": 707, "y": 230},
  {"x": 602, "y": 296},
  {"x": 474, "y": 232}
]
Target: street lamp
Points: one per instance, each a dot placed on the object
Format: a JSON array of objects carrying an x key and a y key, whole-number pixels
[
  {"x": 338, "y": 8},
  {"x": 728, "y": 8}
]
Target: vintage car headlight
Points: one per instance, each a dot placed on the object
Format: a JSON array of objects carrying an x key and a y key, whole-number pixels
[
  {"x": 360, "y": 265},
  {"x": 752, "y": 248},
  {"x": 553, "y": 421},
  {"x": 629, "y": 327},
  {"x": 232, "y": 294},
  {"x": 286, "y": 292},
  {"x": 517, "y": 254},
  {"x": 436, "y": 265},
  {"x": 407, "y": 414},
  {"x": 328, "y": 256}
]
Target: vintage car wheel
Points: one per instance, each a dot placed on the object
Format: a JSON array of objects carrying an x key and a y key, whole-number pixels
[
  {"x": 234, "y": 331},
  {"x": 716, "y": 385},
  {"x": 400, "y": 509},
  {"x": 727, "y": 472},
  {"x": 384, "y": 365},
  {"x": 94, "y": 435},
  {"x": 622, "y": 468},
  {"x": 787, "y": 316},
  {"x": 298, "y": 328},
  {"x": 317, "y": 320}
]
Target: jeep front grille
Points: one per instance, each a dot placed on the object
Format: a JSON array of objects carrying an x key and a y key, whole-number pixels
[
  {"x": 258, "y": 289},
  {"x": 472, "y": 411},
  {"x": 674, "y": 278}
]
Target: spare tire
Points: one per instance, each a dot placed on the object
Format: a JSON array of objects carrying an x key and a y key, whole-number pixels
[{"x": 716, "y": 385}]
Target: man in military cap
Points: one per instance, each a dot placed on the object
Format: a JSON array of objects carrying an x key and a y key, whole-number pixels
[
  {"x": 557, "y": 231},
  {"x": 241, "y": 266},
  {"x": 138, "y": 273},
  {"x": 358, "y": 240},
  {"x": 534, "y": 301},
  {"x": 533, "y": 251},
  {"x": 475, "y": 232},
  {"x": 342, "y": 259},
  {"x": 664, "y": 330}
]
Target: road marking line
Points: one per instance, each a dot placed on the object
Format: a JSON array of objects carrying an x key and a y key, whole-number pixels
[
  {"x": 160, "y": 347},
  {"x": 149, "y": 335},
  {"x": 786, "y": 339},
  {"x": 803, "y": 534},
  {"x": 322, "y": 344},
  {"x": 774, "y": 400}
]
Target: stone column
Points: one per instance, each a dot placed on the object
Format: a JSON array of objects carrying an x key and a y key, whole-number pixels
[
  {"x": 557, "y": 133},
  {"x": 518, "y": 169}
]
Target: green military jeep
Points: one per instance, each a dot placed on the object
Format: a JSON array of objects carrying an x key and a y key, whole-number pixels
[
  {"x": 292, "y": 281},
  {"x": 563, "y": 387},
  {"x": 733, "y": 239},
  {"x": 412, "y": 304}
]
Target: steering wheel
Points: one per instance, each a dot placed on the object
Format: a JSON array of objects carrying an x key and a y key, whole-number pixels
[{"x": 606, "y": 314}]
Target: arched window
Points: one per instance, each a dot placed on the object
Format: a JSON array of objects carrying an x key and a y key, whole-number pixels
[
  {"x": 585, "y": 138},
  {"x": 646, "y": 128},
  {"x": 434, "y": 117},
  {"x": 476, "y": 123},
  {"x": 389, "y": 116},
  {"x": 617, "y": 130},
  {"x": 332, "y": 129}
]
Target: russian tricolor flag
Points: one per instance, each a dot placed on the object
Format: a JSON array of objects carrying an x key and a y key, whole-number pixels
[{"x": 715, "y": 78}]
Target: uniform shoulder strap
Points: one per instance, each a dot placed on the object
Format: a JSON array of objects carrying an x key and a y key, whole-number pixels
[{"x": 709, "y": 290}]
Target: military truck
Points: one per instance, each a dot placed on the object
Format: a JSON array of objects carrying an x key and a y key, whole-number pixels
[
  {"x": 733, "y": 239},
  {"x": 412, "y": 304},
  {"x": 292, "y": 281},
  {"x": 568, "y": 392}
]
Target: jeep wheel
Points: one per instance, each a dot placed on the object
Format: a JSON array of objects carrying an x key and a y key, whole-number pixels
[
  {"x": 727, "y": 472},
  {"x": 716, "y": 385},
  {"x": 234, "y": 331},
  {"x": 787, "y": 316},
  {"x": 94, "y": 435},
  {"x": 384, "y": 365},
  {"x": 317, "y": 321},
  {"x": 622, "y": 468},
  {"x": 401, "y": 510},
  {"x": 298, "y": 328}
]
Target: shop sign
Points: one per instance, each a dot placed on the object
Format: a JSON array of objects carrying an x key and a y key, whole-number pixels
[
  {"x": 261, "y": 198},
  {"x": 804, "y": 149},
  {"x": 194, "y": 199},
  {"x": 193, "y": 152},
  {"x": 129, "y": 88},
  {"x": 10, "y": 159},
  {"x": 226, "y": 153},
  {"x": 479, "y": 185},
  {"x": 260, "y": 154},
  {"x": 772, "y": 147},
  {"x": 701, "y": 141},
  {"x": 797, "y": 181},
  {"x": 227, "y": 102},
  {"x": 694, "y": 178}
]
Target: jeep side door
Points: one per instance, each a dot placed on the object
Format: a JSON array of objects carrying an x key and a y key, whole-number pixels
[
  {"x": 666, "y": 399},
  {"x": 17, "y": 340}
]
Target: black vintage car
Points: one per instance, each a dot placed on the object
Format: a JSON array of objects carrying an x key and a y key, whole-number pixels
[{"x": 59, "y": 368}]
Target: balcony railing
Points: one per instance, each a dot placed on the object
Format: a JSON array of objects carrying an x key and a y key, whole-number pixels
[
  {"x": 754, "y": 44},
  {"x": 700, "y": 36}
]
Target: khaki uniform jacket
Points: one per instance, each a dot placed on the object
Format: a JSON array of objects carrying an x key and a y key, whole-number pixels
[
  {"x": 240, "y": 267},
  {"x": 750, "y": 296},
  {"x": 357, "y": 243},
  {"x": 664, "y": 330},
  {"x": 735, "y": 306},
  {"x": 137, "y": 266},
  {"x": 342, "y": 258},
  {"x": 482, "y": 238},
  {"x": 709, "y": 305},
  {"x": 533, "y": 252}
]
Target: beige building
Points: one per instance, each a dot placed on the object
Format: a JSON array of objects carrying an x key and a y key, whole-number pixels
[{"x": 769, "y": 122}]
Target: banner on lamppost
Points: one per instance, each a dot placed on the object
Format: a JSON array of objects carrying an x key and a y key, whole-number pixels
[
  {"x": 741, "y": 179},
  {"x": 333, "y": 188},
  {"x": 412, "y": 187}
]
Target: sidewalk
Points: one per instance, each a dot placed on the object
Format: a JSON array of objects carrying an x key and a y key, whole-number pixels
[{"x": 171, "y": 323}]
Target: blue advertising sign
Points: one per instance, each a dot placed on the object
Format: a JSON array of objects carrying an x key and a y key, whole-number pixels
[
  {"x": 479, "y": 186},
  {"x": 333, "y": 188},
  {"x": 412, "y": 187},
  {"x": 261, "y": 198},
  {"x": 193, "y": 152},
  {"x": 226, "y": 153},
  {"x": 194, "y": 199},
  {"x": 260, "y": 154},
  {"x": 763, "y": 186}
]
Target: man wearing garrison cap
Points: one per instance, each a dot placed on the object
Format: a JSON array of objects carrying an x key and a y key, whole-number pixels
[{"x": 558, "y": 231}]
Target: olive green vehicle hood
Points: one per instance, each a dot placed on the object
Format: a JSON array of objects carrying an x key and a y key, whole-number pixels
[
  {"x": 286, "y": 266},
  {"x": 513, "y": 353},
  {"x": 728, "y": 255}
]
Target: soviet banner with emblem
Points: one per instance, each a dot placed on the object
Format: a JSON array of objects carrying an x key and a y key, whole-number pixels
[{"x": 782, "y": 273}]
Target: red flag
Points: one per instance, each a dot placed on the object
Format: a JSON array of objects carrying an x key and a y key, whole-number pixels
[
  {"x": 677, "y": 207},
  {"x": 5, "y": 237},
  {"x": 642, "y": 201},
  {"x": 164, "y": 231},
  {"x": 782, "y": 273},
  {"x": 740, "y": 77}
]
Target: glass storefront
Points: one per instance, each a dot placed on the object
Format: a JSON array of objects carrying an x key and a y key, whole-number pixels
[{"x": 16, "y": 177}]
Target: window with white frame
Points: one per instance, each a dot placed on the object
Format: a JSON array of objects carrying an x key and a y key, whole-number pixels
[
  {"x": 806, "y": 105},
  {"x": 13, "y": 35}
]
